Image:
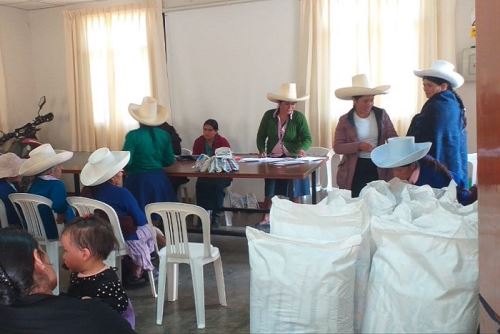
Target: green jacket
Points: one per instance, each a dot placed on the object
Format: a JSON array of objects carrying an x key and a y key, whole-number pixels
[
  {"x": 297, "y": 135},
  {"x": 150, "y": 149}
]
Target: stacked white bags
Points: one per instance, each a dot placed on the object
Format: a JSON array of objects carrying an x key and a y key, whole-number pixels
[
  {"x": 399, "y": 259},
  {"x": 424, "y": 272}
]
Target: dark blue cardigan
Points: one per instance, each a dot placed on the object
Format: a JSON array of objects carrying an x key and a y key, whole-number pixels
[{"x": 441, "y": 122}]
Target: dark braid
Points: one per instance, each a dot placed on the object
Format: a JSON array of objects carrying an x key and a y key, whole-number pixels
[{"x": 439, "y": 81}]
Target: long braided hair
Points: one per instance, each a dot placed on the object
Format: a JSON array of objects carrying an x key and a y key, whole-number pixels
[{"x": 439, "y": 81}]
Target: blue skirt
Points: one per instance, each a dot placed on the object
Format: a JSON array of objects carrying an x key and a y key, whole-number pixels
[{"x": 150, "y": 187}]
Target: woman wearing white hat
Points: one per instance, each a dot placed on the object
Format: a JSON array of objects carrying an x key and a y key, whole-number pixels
[
  {"x": 409, "y": 162},
  {"x": 45, "y": 163},
  {"x": 358, "y": 132},
  {"x": 102, "y": 177},
  {"x": 283, "y": 131},
  {"x": 150, "y": 151},
  {"x": 442, "y": 119},
  {"x": 9, "y": 177}
]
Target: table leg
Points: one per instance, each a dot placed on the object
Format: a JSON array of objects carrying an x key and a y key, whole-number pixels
[
  {"x": 76, "y": 181},
  {"x": 313, "y": 188}
]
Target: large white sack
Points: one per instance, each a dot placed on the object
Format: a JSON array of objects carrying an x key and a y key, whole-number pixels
[
  {"x": 424, "y": 275},
  {"x": 301, "y": 287},
  {"x": 330, "y": 222}
]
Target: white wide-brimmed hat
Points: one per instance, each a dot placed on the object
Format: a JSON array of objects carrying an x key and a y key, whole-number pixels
[
  {"x": 149, "y": 112},
  {"x": 102, "y": 165},
  {"x": 360, "y": 87},
  {"x": 399, "y": 151},
  {"x": 42, "y": 158},
  {"x": 444, "y": 70},
  {"x": 287, "y": 93},
  {"x": 9, "y": 165}
]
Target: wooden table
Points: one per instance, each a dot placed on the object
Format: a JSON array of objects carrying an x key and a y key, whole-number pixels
[{"x": 248, "y": 170}]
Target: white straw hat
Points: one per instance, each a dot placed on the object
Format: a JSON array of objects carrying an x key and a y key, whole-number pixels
[
  {"x": 9, "y": 165},
  {"x": 42, "y": 158},
  {"x": 399, "y": 151},
  {"x": 102, "y": 165},
  {"x": 287, "y": 93},
  {"x": 149, "y": 112},
  {"x": 443, "y": 70},
  {"x": 360, "y": 87}
]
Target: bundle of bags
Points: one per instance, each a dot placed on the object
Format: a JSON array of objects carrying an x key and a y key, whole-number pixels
[
  {"x": 398, "y": 259},
  {"x": 222, "y": 161}
]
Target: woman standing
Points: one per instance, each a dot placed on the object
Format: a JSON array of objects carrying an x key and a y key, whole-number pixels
[
  {"x": 210, "y": 191},
  {"x": 442, "y": 119},
  {"x": 358, "y": 132},
  {"x": 284, "y": 132},
  {"x": 150, "y": 151}
]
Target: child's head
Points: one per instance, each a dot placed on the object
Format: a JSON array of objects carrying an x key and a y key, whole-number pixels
[{"x": 85, "y": 240}]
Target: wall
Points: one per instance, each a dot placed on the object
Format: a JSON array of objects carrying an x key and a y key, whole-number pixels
[
  {"x": 464, "y": 10},
  {"x": 15, "y": 42}
]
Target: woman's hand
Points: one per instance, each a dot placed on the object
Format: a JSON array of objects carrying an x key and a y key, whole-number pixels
[
  {"x": 301, "y": 153},
  {"x": 365, "y": 147},
  {"x": 262, "y": 154}
]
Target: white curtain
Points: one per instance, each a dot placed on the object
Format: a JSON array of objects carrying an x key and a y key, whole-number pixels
[
  {"x": 3, "y": 98},
  {"x": 115, "y": 56},
  {"x": 385, "y": 39}
]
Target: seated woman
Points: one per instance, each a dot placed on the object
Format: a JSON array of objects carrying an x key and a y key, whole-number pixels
[
  {"x": 45, "y": 164},
  {"x": 409, "y": 162},
  {"x": 9, "y": 177},
  {"x": 26, "y": 301},
  {"x": 210, "y": 191},
  {"x": 102, "y": 177}
]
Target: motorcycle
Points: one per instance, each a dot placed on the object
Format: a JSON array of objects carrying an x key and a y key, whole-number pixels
[{"x": 22, "y": 140}]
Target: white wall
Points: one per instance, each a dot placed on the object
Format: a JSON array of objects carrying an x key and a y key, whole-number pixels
[
  {"x": 223, "y": 60},
  {"x": 15, "y": 43},
  {"x": 468, "y": 90}
]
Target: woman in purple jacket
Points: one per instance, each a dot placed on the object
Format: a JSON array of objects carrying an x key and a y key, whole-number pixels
[{"x": 358, "y": 132}]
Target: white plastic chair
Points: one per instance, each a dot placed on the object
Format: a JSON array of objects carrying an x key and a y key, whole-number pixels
[
  {"x": 4, "y": 222},
  {"x": 85, "y": 206},
  {"x": 30, "y": 215},
  {"x": 178, "y": 249},
  {"x": 472, "y": 160},
  {"x": 335, "y": 161},
  {"x": 324, "y": 173},
  {"x": 186, "y": 151}
]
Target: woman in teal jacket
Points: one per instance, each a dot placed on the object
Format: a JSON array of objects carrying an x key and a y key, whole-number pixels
[{"x": 284, "y": 132}]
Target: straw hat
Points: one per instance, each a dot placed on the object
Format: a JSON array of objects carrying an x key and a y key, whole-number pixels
[
  {"x": 9, "y": 165},
  {"x": 287, "y": 93},
  {"x": 360, "y": 87},
  {"x": 149, "y": 112},
  {"x": 42, "y": 158},
  {"x": 102, "y": 165},
  {"x": 399, "y": 151},
  {"x": 443, "y": 70}
]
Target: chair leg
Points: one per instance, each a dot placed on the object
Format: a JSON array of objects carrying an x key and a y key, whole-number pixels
[
  {"x": 152, "y": 283},
  {"x": 172, "y": 281},
  {"x": 160, "y": 301},
  {"x": 53, "y": 253},
  {"x": 219, "y": 277},
  {"x": 199, "y": 293}
]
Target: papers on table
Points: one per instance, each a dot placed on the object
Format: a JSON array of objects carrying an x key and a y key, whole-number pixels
[{"x": 282, "y": 161}]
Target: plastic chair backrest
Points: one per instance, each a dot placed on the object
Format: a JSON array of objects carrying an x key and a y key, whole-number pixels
[
  {"x": 85, "y": 206},
  {"x": 472, "y": 160},
  {"x": 174, "y": 216},
  {"x": 325, "y": 172},
  {"x": 336, "y": 159},
  {"x": 3, "y": 215},
  {"x": 186, "y": 151},
  {"x": 30, "y": 215}
]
